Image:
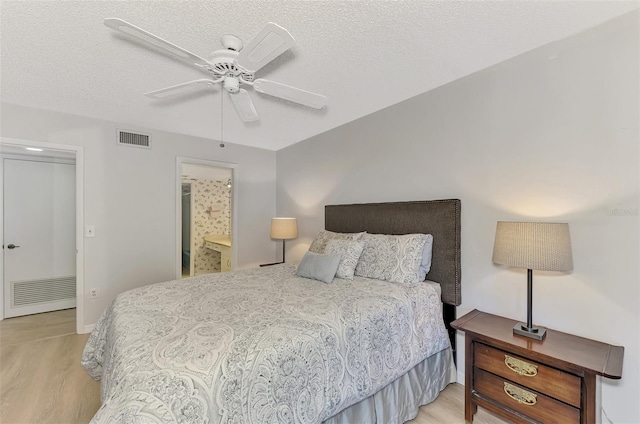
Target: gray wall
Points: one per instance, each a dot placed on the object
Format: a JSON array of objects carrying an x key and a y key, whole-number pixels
[
  {"x": 551, "y": 135},
  {"x": 130, "y": 197}
]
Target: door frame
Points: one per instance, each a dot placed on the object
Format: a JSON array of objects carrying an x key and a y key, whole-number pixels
[
  {"x": 192, "y": 269},
  {"x": 79, "y": 154},
  {"x": 233, "y": 167}
]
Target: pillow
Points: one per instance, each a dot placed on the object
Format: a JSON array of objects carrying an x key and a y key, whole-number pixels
[
  {"x": 349, "y": 251},
  {"x": 318, "y": 267},
  {"x": 324, "y": 236},
  {"x": 392, "y": 258},
  {"x": 425, "y": 265}
]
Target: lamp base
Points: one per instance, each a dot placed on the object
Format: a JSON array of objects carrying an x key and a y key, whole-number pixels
[{"x": 537, "y": 333}]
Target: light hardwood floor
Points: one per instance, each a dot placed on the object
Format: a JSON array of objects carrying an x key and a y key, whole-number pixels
[{"x": 42, "y": 381}]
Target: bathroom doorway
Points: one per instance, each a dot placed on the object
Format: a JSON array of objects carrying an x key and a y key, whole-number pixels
[
  {"x": 206, "y": 223},
  {"x": 187, "y": 270}
]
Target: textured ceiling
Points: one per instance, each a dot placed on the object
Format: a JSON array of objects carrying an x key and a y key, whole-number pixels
[{"x": 363, "y": 55}]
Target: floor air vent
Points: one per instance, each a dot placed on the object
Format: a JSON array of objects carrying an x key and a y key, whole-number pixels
[
  {"x": 30, "y": 292},
  {"x": 128, "y": 138}
]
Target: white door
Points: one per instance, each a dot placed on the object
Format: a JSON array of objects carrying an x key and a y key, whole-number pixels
[{"x": 39, "y": 250}]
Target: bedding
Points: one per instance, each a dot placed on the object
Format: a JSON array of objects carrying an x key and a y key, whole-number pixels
[
  {"x": 349, "y": 251},
  {"x": 394, "y": 258},
  {"x": 322, "y": 238},
  {"x": 258, "y": 346}
]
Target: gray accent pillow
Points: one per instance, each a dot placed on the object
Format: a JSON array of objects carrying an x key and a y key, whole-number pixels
[
  {"x": 318, "y": 266},
  {"x": 319, "y": 243},
  {"x": 392, "y": 258},
  {"x": 349, "y": 251}
]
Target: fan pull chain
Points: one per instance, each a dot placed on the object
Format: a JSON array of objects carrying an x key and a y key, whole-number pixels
[{"x": 221, "y": 119}]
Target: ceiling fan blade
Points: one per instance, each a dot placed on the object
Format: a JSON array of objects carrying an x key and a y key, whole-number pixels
[
  {"x": 244, "y": 105},
  {"x": 185, "y": 87},
  {"x": 271, "y": 42},
  {"x": 296, "y": 95},
  {"x": 139, "y": 33}
]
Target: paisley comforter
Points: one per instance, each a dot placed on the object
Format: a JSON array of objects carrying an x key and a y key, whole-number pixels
[{"x": 257, "y": 346}]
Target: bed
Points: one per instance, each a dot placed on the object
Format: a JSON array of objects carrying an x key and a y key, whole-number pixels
[{"x": 267, "y": 346}]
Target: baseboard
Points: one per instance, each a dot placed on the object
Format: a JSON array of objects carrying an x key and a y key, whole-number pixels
[{"x": 88, "y": 328}]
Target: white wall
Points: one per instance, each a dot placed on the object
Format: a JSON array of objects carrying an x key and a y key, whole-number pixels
[
  {"x": 550, "y": 135},
  {"x": 130, "y": 197}
]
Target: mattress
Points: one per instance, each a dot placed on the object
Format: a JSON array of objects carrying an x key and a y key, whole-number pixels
[{"x": 258, "y": 346}]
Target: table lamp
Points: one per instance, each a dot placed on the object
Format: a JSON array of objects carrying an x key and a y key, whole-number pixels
[
  {"x": 284, "y": 229},
  {"x": 543, "y": 246}
]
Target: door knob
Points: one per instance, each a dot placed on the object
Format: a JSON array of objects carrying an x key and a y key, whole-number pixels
[{"x": 12, "y": 246}]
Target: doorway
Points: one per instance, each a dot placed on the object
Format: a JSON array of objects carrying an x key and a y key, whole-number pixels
[
  {"x": 187, "y": 206},
  {"x": 39, "y": 228},
  {"x": 205, "y": 210},
  {"x": 55, "y": 281}
]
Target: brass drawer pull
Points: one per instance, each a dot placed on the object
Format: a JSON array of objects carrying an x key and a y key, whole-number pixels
[
  {"x": 520, "y": 395},
  {"x": 520, "y": 367}
]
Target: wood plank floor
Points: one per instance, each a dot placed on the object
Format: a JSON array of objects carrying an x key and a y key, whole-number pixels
[
  {"x": 42, "y": 381},
  {"x": 30, "y": 328}
]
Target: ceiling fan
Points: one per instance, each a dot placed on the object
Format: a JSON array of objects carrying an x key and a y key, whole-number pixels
[{"x": 233, "y": 67}]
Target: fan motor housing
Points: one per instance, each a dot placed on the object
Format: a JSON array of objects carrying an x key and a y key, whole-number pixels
[{"x": 223, "y": 64}]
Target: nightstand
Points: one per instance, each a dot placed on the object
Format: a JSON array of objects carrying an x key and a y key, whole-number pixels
[{"x": 528, "y": 381}]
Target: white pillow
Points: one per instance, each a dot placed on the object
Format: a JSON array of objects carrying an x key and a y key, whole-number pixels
[
  {"x": 349, "y": 251},
  {"x": 319, "y": 243},
  {"x": 425, "y": 265},
  {"x": 392, "y": 258}
]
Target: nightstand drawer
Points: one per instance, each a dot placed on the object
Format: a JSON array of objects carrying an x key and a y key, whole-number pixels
[
  {"x": 539, "y": 407},
  {"x": 550, "y": 381}
]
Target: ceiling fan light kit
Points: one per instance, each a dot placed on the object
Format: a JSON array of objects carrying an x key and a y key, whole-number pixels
[{"x": 233, "y": 67}]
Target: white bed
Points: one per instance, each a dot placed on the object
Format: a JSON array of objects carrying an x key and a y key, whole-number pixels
[{"x": 267, "y": 346}]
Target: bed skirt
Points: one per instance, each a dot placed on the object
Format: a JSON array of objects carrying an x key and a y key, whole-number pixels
[{"x": 399, "y": 401}]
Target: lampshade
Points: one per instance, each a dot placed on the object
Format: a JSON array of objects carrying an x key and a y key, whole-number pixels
[
  {"x": 284, "y": 228},
  {"x": 544, "y": 246}
]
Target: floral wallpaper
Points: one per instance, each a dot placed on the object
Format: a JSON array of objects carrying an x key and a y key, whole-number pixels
[{"x": 211, "y": 214}]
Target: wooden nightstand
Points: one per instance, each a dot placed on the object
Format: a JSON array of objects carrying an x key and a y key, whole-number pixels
[{"x": 529, "y": 381}]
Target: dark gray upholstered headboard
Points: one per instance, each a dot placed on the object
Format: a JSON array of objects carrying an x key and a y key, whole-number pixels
[{"x": 440, "y": 218}]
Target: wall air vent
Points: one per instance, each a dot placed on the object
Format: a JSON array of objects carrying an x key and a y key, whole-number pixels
[
  {"x": 129, "y": 138},
  {"x": 30, "y": 292}
]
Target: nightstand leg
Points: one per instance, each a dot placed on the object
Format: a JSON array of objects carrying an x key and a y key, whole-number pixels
[
  {"x": 470, "y": 408},
  {"x": 589, "y": 399}
]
